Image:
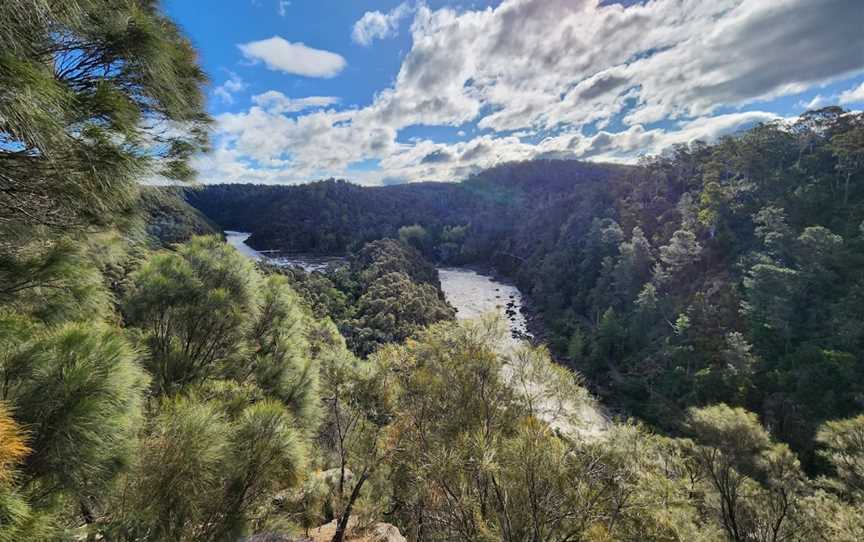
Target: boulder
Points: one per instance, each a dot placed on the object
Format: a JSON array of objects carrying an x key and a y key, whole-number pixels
[
  {"x": 384, "y": 532},
  {"x": 379, "y": 532}
]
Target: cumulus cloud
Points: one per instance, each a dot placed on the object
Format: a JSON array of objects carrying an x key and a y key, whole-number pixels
[
  {"x": 817, "y": 102},
  {"x": 277, "y": 103},
  {"x": 853, "y": 95},
  {"x": 376, "y": 25},
  {"x": 226, "y": 90},
  {"x": 550, "y": 78},
  {"x": 278, "y": 54}
]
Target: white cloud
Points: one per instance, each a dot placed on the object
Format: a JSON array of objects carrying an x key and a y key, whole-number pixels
[
  {"x": 279, "y": 54},
  {"x": 376, "y": 25},
  {"x": 226, "y": 90},
  {"x": 817, "y": 102},
  {"x": 282, "y": 7},
  {"x": 853, "y": 95},
  {"x": 536, "y": 76},
  {"x": 277, "y": 103}
]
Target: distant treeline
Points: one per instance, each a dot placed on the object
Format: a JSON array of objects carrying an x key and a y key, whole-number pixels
[{"x": 335, "y": 216}]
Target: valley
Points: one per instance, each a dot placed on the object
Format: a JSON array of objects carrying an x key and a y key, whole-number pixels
[
  {"x": 500, "y": 271},
  {"x": 472, "y": 294}
]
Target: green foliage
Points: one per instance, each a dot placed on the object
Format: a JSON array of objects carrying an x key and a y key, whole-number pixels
[
  {"x": 19, "y": 521},
  {"x": 282, "y": 364},
  {"x": 739, "y": 282},
  {"x": 386, "y": 256},
  {"x": 355, "y": 437},
  {"x": 479, "y": 451},
  {"x": 415, "y": 236},
  {"x": 203, "y": 473},
  {"x": 78, "y": 390},
  {"x": 95, "y": 94},
  {"x": 193, "y": 308},
  {"x": 89, "y": 88},
  {"x": 394, "y": 308},
  {"x": 178, "y": 475},
  {"x": 53, "y": 282},
  {"x": 842, "y": 444},
  {"x": 169, "y": 219},
  {"x": 386, "y": 294},
  {"x": 756, "y": 236}
]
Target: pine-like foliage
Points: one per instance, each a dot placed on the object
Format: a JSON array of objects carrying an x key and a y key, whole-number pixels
[
  {"x": 194, "y": 308},
  {"x": 91, "y": 95},
  {"x": 203, "y": 471},
  {"x": 77, "y": 389},
  {"x": 281, "y": 360}
]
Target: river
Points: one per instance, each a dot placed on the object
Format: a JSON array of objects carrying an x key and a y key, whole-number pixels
[
  {"x": 308, "y": 263},
  {"x": 472, "y": 294}
]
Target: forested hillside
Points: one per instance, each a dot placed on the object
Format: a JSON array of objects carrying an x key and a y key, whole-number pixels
[
  {"x": 157, "y": 385},
  {"x": 332, "y": 217},
  {"x": 169, "y": 219},
  {"x": 726, "y": 272},
  {"x": 388, "y": 293}
]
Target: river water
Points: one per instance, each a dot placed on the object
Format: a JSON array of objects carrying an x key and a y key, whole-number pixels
[
  {"x": 473, "y": 295},
  {"x": 237, "y": 239}
]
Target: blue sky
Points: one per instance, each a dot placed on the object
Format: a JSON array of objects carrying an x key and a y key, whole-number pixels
[{"x": 389, "y": 91}]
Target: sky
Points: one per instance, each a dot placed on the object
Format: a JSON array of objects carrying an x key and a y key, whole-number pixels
[{"x": 386, "y": 92}]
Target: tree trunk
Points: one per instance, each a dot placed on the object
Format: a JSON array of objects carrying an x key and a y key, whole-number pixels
[{"x": 342, "y": 525}]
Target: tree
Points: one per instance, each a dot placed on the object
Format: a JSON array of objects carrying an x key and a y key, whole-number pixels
[
  {"x": 772, "y": 229},
  {"x": 78, "y": 389},
  {"x": 53, "y": 282},
  {"x": 770, "y": 300},
  {"x": 415, "y": 236},
  {"x": 682, "y": 251},
  {"x": 178, "y": 475},
  {"x": 849, "y": 148},
  {"x": 204, "y": 467},
  {"x": 282, "y": 364},
  {"x": 356, "y": 432},
  {"x": 379, "y": 258},
  {"x": 758, "y": 483},
  {"x": 842, "y": 444},
  {"x": 634, "y": 265},
  {"x": 194, "y": 308},
  {"x": 394, "y": 307},
  {"x": 91, "y": 92}
]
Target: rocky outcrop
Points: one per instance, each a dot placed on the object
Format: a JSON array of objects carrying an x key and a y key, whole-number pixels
[
  {"x": 378, "y": 532},
  {"x": 384, "y": 532},
  {"x": 274, "y": 537}
]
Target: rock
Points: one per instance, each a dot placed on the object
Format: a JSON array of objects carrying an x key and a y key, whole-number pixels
[
  {"x": 384, "y": 532},
  {"x": 379, "y": 532},
  {"x": 274, "y": 537},
  {"x": 331, "y": 477}
]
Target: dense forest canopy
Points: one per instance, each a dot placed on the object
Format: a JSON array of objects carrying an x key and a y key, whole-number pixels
[
  {"x": 157, "y": 385},
  {"x": 725, "y": 272}
]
